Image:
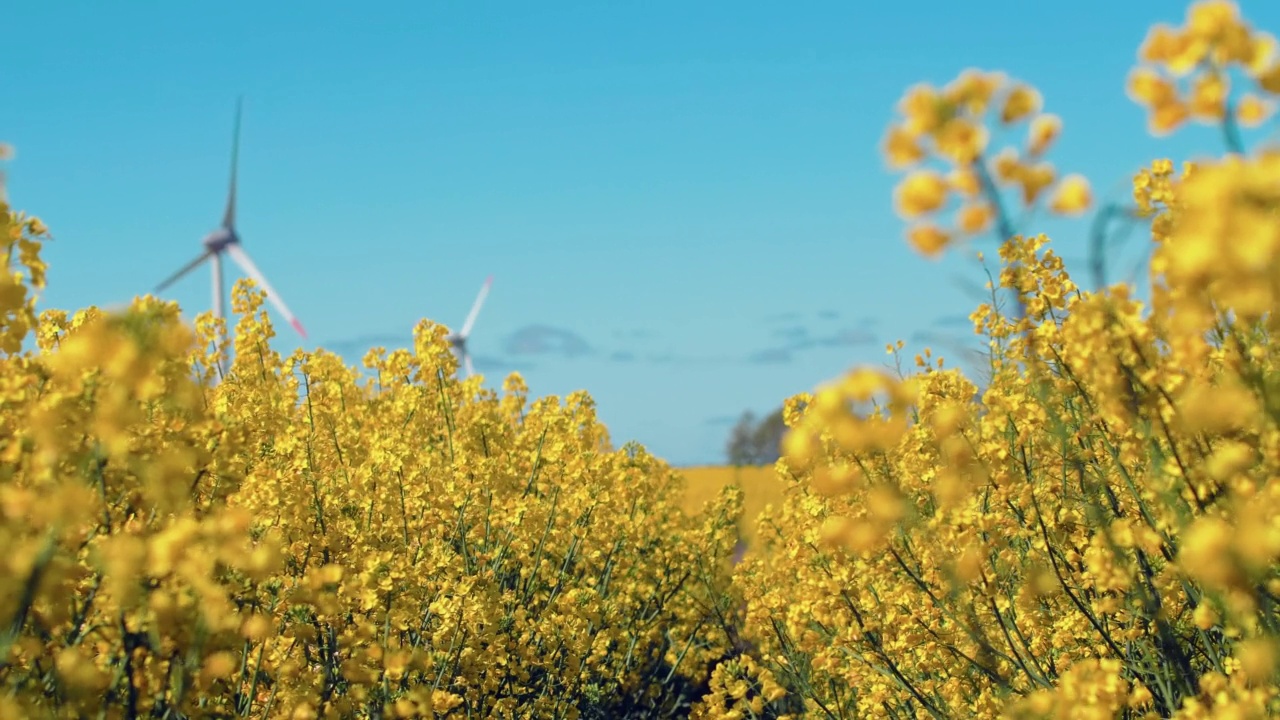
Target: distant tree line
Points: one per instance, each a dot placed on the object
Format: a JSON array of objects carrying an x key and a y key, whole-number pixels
[{"x": 756, "y": 442}]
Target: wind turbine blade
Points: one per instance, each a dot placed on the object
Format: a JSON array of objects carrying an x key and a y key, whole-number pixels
[
  {"x": 229, "y": 217},
  {"x": 186, "y": 269},
  {"x": 241, "y": 258},
  {"x": 475, "y": 309},
  {"x": 466, "y": 362}
]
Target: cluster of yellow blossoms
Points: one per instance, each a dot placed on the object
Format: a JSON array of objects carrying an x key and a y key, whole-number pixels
[
  {"x": 946, "y": 126},
  {"x": 1095, "y": 533},
  {"x": 1202, "y": 55}
]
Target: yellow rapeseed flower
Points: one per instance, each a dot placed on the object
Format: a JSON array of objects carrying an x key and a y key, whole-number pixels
[
  {"x": 1268, "y": 79},
  {"x": 928, "y": 240},
  {"x": 1261, "y": 52},
  {"x": 974, "y": 218},
  {"x": 1008, "y": 167},
  {"x": 1034, "y": 180},
  {"x": 1252, "y": 110},
  {"x": 973, "y": 90},
  {"x": 1212, "y": 19},
  {"x": 920, "y": 193},
  {"x": 902, "y": 148},
  {"x": 1167, "y": 117},
  {"x": 1072, "y": 197},
  {"x": 1258, "y": 658},
  {"x": 1206, "y": 553},
  {"x": 1044, "y": 129},
  {"x": 961, "y": 140},
  {"x": 1021, "y": 102},
  {"x": 220, "y": 665},
  {"x": 1162, "y": 44},
  {"x": 1151, "y": 89},
  {"x": 1208, "y": 99},
  {"x": 921, "y": 109}
]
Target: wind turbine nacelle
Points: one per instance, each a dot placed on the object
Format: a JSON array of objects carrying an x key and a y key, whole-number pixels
[{"x": 219, "y": 239}]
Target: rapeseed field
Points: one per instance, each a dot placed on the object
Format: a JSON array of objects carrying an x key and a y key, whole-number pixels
[{"x": 1094, "y": 535}]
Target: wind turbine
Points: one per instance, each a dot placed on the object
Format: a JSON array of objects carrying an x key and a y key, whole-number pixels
[
  {"x": 226, "y": 240},
  {"x": 6, "y": 153},
  {"x": 459, "y": 339}
]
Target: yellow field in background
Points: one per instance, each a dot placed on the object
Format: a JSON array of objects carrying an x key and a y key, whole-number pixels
[{"x": 760, "y": 487}]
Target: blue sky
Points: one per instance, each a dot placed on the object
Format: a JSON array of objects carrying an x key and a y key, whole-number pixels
[{"x": 683, "y": 204}]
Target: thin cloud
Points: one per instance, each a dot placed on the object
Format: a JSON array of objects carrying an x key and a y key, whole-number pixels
[
  {"x": 667, "y": 357},
  {"x": 952, "y": 321},
  {"x": 792, "y": 333},
  {"x": 845, "y": 337},
  {"x": 828, "y": 314},
  {"x": 798, "y": 338},
  {"x": 848, "y": 337},
  {"x": 546, "y": 340},
  {"x": 492, "y": 365},
  {"x": 771, "y": 356}
]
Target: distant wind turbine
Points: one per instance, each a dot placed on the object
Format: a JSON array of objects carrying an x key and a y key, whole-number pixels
[
  {"x": 459, "y": 339},
  {"x": 226, "y": 240},
  {"x": 6, "y": 153}
]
